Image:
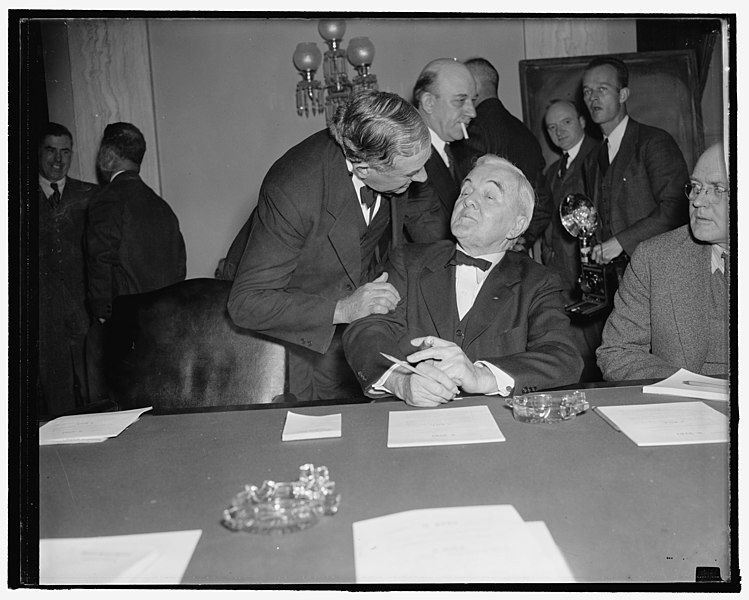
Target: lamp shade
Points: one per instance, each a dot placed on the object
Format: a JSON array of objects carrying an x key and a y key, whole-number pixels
[
  {"x": 331, "y": 29},
  {"x": 307, "y": 56},
  {"x": 360, "y": 51}
]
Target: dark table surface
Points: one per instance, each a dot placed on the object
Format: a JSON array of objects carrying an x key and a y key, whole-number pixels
[{"x": 618, "y": 512}]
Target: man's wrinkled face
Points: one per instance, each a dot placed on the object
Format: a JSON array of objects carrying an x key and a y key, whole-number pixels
[
  {"x": 452, "y": 103},
  {"x": 486, "y": 214},
  {"x": 55, "y": 154},
  {"x": 566, "y": 128},
  {"x": 396, "y": 178},
  {"x": 708, "y": 209}
]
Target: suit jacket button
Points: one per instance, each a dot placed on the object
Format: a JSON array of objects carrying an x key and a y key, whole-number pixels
[{"x": 459, "y": 333}]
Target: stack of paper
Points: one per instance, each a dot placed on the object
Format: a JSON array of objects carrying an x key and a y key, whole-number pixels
[
  {"x": 691, "y": 385},
  {"x": 442, "y": 426},
  {"x": 310, "y": 427},
  {"x": 668, "y": 424},
  {"x": 464, "y": 544},
  {"x": 76, "y": 429},
  {"x": 146, "y": 559}
]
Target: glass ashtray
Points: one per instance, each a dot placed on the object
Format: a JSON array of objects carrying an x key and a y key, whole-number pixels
[
  {"x": 284, "y": 507},
  {"x": 548, "y": 408}
]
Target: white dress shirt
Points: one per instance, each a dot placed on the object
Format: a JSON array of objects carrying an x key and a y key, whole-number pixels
[
  {"x": 615, "y": 138},
  {"x": 358, "y": 185}
]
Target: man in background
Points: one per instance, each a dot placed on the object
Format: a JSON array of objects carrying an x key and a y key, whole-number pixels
[
  {"x": 473, "y": 317},
  {"x": 671, "y": 309},
  {"x": 330, "y": 211},
  {"x": 133, "y": 236},
  {"x": 636, "y": 176},
  {"x": 63, "y": 316},
  {"x": 444, "y": 94},
  {"x": 495, "y": 131}
]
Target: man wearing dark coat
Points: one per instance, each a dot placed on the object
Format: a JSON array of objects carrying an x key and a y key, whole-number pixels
[
  {"x": 63, "y": 316},
  {"x": 494, "y": 130},
  {"x": 472, "y": 318},
  {"x": 330, "y": 211},
  {"x": 133, "y": 236}
]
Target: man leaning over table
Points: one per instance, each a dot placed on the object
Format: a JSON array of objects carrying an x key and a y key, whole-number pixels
[
  {"x": 671, "y": 309},
  {"x": 328, "y": 214},
  {"x": 473, "y": 318}
]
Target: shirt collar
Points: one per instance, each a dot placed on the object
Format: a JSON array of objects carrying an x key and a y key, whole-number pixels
[
  {"x": 46, "y": 185},
  {"x": 493, "y": 258},
  {"x": 615, "y": 137},
  {"x": 573, "y": 152},
  {"x": 716, "y": 258},
  {"x": 111, "y": 179},
  {"x": 358, "y": 183},
  {"x": 439, "y": 145}
]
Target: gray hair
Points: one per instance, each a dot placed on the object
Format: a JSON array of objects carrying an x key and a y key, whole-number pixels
[{"x": 376, "y": 127}]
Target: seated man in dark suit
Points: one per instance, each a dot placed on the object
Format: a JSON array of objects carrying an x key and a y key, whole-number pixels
[
  {"x": 329, "y": 212},
  {"x": 488, "y": 323},
  {"x": 494, "y": 130},
  {"x": 671, "y": 309}
]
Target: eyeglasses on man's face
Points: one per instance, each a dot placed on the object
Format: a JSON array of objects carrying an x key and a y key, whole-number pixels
[{"x": 713, "y": 193}]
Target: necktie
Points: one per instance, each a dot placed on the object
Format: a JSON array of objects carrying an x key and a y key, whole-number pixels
[
  {"x": 368, "y": 199},
  {"x": 563, "y": 165},
  {"x": 55, "y": 197},
  {"x": 451, "y": 160},
  {"x": 461, "y": 258},
  {"x": 603, "y": 156}
]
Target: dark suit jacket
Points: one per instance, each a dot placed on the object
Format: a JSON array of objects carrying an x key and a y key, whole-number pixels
[
  {"x": 442, "y": 182},
  {"x": 560, "y": 250},
  {"x": 642, "y": 192},
  {"x": 303, "y": 250},
  {"x": 495, "y": 130},
  {"x": 517, "y": 322},
  {"x": 134, "y": 243},
  {"x": 659, "y": 323},
  {"x": 62, "y": 265}
]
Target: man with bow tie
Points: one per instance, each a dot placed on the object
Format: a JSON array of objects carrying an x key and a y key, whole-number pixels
[
  {"x": 329, "y": 212},
  {"x": 63, "y": 317},
  {"x": 473, "y": 318}
]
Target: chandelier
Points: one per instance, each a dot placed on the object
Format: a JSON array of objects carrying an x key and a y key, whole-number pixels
[{"x": 311, "y": 95}]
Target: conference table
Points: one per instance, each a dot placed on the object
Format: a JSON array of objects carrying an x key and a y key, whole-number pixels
[{"x": 618, "y": 512}]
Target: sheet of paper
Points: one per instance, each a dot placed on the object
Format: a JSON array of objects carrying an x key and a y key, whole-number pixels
[
  {"x": 147, "y": 559},
  {"x": 310, "y": 427},
  {"x": 442, "y": 426},
  {"x": 465, "y": 544},
  {"x": 95, "y": 427},
  {"x": 691, "y": 385},
  {"x": 669, "y": 424}
]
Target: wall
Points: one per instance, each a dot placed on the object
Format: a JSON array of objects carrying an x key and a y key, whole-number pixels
[{"x": 223, "y": 94}]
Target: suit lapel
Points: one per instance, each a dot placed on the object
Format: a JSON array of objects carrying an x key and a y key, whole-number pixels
[
  {"x": 689, "y": 289},
  {"x": 442, "y": 180},
  {"x": 343, "y": 208},
  {"x": 437, "y": 287}
]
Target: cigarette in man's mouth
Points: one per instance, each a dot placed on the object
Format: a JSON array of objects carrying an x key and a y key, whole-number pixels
[{"x": 465, "y": 131}]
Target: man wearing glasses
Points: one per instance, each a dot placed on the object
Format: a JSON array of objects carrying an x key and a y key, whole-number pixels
[
  {"x": 671, "y": 309},
  {"x": 636, "y": 175}
]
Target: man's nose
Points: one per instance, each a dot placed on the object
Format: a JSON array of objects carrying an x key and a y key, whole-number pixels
[
  {"x": 421, "y": 176},
  {"x": 469, "y": 109}
]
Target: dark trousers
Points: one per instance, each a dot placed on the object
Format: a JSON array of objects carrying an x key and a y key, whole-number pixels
[{"x": 314, "y": 376}]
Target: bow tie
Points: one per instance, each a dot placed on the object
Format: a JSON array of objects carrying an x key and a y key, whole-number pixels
[
  {"x": 368, "y": 196},
  {"x": 461, "y": 258}
]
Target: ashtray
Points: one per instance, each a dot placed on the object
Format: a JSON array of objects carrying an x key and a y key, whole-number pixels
[
  {"x": 548, "y": 408},
  {"x": 283, "y": 507}
]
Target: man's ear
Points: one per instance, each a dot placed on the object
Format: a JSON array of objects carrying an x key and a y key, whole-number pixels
[
  {"x": 623, "y": 95},
  {"x": 427, "y": 102},
  {"x": 521, "y": 222},
  {"x": 361, "y": 170}
]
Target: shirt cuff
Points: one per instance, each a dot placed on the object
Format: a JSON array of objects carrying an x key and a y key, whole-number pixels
[
  {"x": 505, "y": 383},
  {"x": 378, "y": 387}
]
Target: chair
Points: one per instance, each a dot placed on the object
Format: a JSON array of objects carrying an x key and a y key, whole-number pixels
[{"x": 178, "y": 348}]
